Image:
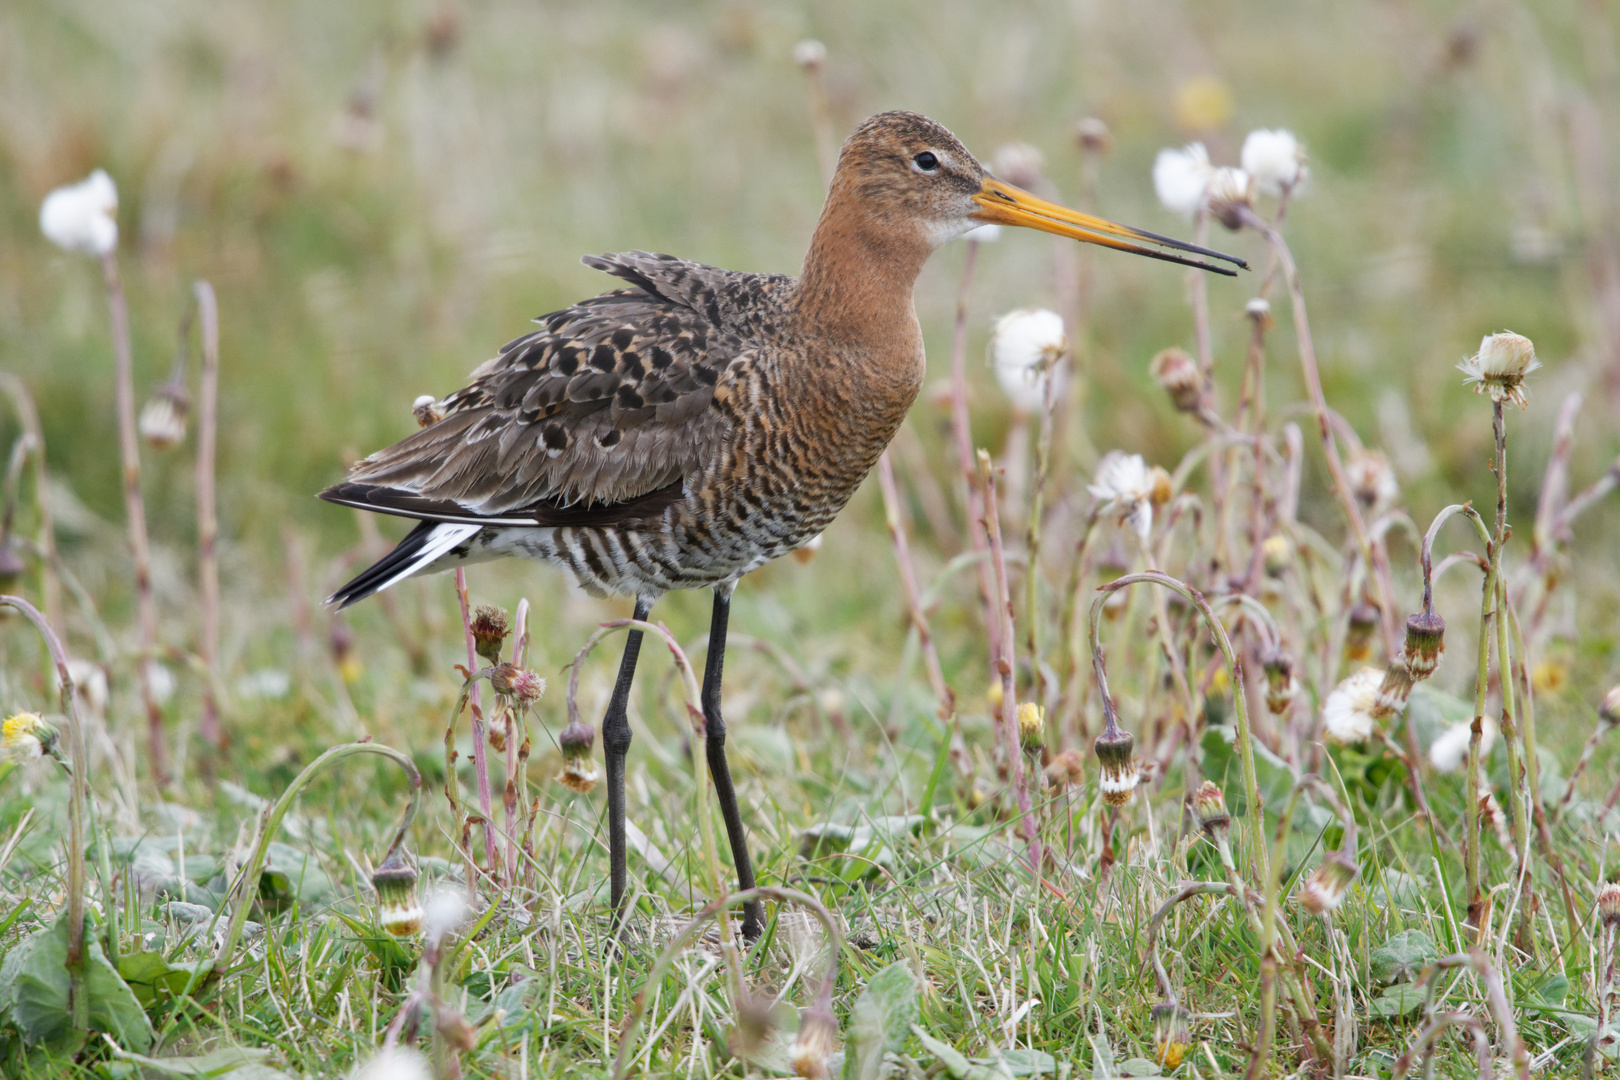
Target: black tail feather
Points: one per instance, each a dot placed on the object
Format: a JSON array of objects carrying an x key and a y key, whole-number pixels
[{"x": 380, "y": 573}]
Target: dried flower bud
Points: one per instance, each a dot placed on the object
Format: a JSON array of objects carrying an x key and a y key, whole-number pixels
[
  {"x": 1172, "y": 1034},
  {"x": 25, "y": 736},
  {"x": 426, "y": 410},
  {"x": 1281, "y": 684},
  {"x": 1372, "y": 481},
  {"x": 520, "y": 684},
  {"x": 1358, "y": 638},
  {"x": 1031, "y": 726},
  {"x": 1067, "y": 768},
  {"x": 1609, "y": 707},
  {"x": 163, "y": 417},
  {"x": 579, "y": 768},
  {"x": 1499, "y": 368},
  {"x": 489, "y": 629},
  {"x": 814, "y": 1044},
  {"x": 810, "y": 54},
  {"x": 1119, "y": 769},
  {"x": 1277, "y": 553},
  {"x": 1393, "y": 691},
  {"x": 1161, "y": 488},
  {"x": 1178, "y": 376},
  {"x": 1019, "y": 164},
  {"x": 1325, "y": 889},
  {"x": 1209, "y": 806},
  {"x": 1093, "y": 136},
  {"x": 1230, "y": 193},
  {"x": 398, "y": 909},
  {"x": 1608, "y": 905},
  {"x": 1259, "y": 312},
  {"x": 1425, "y": 644}
]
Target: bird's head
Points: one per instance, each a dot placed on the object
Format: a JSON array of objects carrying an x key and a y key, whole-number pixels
[{"x": 911, "y": 177}]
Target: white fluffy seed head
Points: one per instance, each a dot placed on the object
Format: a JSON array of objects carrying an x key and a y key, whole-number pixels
[
  {"x": 1275, "y": 159},
  {"x": 82, "y": 217},
  {"x": 1349, "y": 714},
  {"x": 1125, "y": 485},
  {"x": 810, "y": 54},
  {"x": 1449, "y": 751},
  {"x": 1181, "y": 178},
  {"x": 1501, "y": 364},
  {"x": 443, "y": 912},
  {"x": 394, "y": 1063},
  {"x": 1230, "y": 191},
  {"x": 1023, "y": 347}
]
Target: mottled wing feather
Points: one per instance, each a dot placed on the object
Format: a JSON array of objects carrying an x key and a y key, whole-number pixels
[{"x": 605, "y": 404}]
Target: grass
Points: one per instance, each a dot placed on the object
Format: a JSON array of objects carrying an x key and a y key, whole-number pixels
[{"x": 380, "y": 194}]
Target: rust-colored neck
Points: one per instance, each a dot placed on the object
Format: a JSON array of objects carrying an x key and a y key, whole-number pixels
[{"x": 859, "y": 274}]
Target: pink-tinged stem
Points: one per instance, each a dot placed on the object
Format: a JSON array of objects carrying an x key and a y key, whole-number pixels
[
  {"x": 974, "y": 500},
  {"x": 207, "y": 521},
  {"x": 999, "y": 612},
  {"x": 28, "y": 416},
  {"x": 480, "y": 759},
  {"x": 908, "y": 578},
  {"x": 135, "y": 510}
]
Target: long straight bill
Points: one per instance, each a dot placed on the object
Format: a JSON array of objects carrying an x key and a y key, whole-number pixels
[{"x": 1003, "y": 204}]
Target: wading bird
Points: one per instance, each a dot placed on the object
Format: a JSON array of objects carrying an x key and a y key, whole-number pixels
[{"x": 691, "y": 427}]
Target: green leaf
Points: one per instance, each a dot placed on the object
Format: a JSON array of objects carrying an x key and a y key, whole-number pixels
[
  {"x": 881, "y": 1020},
  {"x": 1141, "y": 1067},
  {"x": 34, "y": 992},
  {"x": 955, "y": 1062},
  {"x": 151, "y": 977},
  {"x": 236, "y": 1062},
  {"x": 1020, "y": 1062},
  {"x": 1403, "y": 957},
  {"x": 1399, "y": 1000}
]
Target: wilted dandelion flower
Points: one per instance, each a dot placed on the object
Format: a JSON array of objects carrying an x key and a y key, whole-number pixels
[
  {"x": 1023, "y": 348},
  {"x": 426, "y": 410},
  {"x": 82, "y": 217},
  {"x": 579, "y": 768},
  {"x": 1178, "y": 376},
  {"x": 163, "y": 418},
  {"x": 398, "y": 909},
  {"x": 1181, "y": 178},
  {"x": 1350, "y": 713},
  {"x": 1209, "y": 806},
  {"x": 1120, "y": 773},
  {"x": 1425, "y": 644},
  {"x": 1281, "y": 684},
  {"x": 25, "y": 736},
  {"x": 813, "y": 1046},
  {"x": 1325, "y": 889},
  {"x": 1172, "y": 1034},
  {"x": 1230, "y": 192},
  {"x": 1358, "y": 635},
  {"x": 520, "y": 684},
  {"x": 1608, "y": 905},
  {"x": 1126, "y": 487},
  {"x": 1372, "y": 481},
  {"x": 1393, "y": 691},
  {"x": 1275, "y": 159},
  {"x": 1093, "y": 135},
  {"x": 1499, "y": 368},
  {"x": 490, "y": 629}
]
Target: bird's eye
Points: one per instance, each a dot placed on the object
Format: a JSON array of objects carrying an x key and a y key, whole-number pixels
[{"x": 926, "y": 162}]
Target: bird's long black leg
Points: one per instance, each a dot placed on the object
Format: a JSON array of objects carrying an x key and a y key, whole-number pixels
[
  {"x": 615, "y": 745},
  {"x": 715, "y": 745}
]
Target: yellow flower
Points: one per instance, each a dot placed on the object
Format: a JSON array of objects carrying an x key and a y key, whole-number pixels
[
  {"x": 1549, "y": 676},
  {"x": 1203, "y": 103},
  {"x": 26, "y": 736}
]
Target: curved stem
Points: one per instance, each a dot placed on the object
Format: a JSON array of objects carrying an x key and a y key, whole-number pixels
[
  {"x": 214, "y": 969},
  {"x": 1251, "y": 784},
  {"x": 78, "y": 800}
]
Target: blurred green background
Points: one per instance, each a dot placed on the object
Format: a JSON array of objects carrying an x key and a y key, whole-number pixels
[{"x": 383, "y": 193}]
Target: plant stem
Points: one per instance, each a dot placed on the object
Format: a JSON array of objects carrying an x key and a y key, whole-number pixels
[
  {"x": 908, "y": 579},
  {"x": 1002, "y": 665},
  {"x": 78, "y": 802},
  {"x": 50, "y": 588},
  {"x": 135, "y": 510},
  {"x": 207, "y": 520},
  {"x": 480, "y": 754},
  {"x": 972, "y": 499}
]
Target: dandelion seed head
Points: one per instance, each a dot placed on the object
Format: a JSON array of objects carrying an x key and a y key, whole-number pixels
[
  {"x": 82, "y": 217},
  {"x": 1275, "y": 159},
  {"x": 1448, "y": 753},
  {"x": 1125, "y": 486},
  {"x": 1181, "y": 178},
  {"x": 1500, "y": 367},
  {"x": 1349, "y": 714},
  {"x": 1024, "y": 346}
]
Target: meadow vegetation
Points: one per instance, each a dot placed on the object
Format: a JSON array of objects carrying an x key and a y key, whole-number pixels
[{"x": 1058, "y": 759}]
